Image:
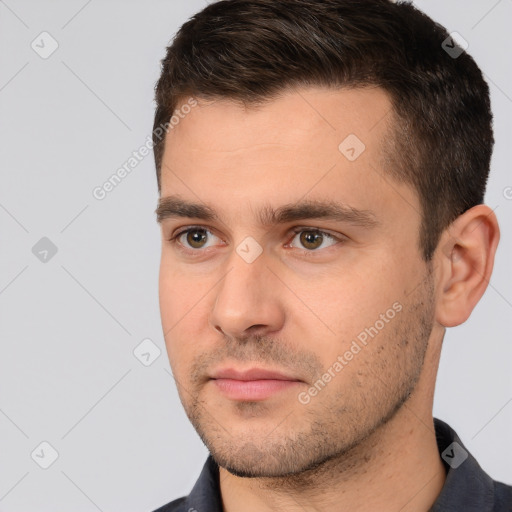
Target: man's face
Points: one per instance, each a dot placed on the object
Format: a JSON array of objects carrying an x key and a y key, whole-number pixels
[{"x": 343, "y": 305}]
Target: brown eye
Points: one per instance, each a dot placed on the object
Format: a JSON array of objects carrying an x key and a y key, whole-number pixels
[
  {"x": 196, "y": 238},
  {"x": 311, "y": 239}
]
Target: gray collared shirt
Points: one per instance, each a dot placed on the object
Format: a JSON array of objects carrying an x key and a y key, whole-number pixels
[{"x": 467, "y": 487}]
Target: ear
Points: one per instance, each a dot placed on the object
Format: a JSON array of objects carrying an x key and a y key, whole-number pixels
[{"x": 464, "y": 263}]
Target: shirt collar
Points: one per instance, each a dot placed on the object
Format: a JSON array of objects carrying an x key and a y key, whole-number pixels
[{"x": 467, "y": 486}]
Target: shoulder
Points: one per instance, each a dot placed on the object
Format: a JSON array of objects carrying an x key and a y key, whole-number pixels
[
  {"x": 204, "y": 496},
  {"x": 502, "y": 497},
  {"x": 177, "y": 505}
]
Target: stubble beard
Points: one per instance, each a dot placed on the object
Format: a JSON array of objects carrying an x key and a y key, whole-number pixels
[{"x": 336, "y": 434}]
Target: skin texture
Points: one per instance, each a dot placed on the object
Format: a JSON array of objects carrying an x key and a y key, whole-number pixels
[{"x": 366, "y": 440}]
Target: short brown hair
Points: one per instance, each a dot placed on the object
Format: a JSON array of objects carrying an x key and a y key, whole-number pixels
[{"x": 251, "y": 50}]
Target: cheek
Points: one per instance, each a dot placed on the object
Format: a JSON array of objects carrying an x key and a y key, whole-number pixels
[
  {"x": 185, "y": 308},
  {"x": 347, "y": 303},
  {"x": 179, "y": 304},
  {"x": 177, "y": 293}
]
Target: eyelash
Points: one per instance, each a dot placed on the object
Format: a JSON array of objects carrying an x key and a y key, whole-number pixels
[{"x": 307, "y": 252}]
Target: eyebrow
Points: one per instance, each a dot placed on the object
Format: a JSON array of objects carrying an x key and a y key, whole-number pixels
[{"x": 176, "y": 207}]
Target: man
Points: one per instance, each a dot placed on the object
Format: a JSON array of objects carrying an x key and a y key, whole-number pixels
[{"x": 321, "y": 186}]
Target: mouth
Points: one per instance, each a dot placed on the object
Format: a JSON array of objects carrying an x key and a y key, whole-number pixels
[{"x": 254, "y": 384}]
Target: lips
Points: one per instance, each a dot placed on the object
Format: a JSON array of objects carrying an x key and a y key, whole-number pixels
[
  {"x": 251, "y": 374},
  {"x": 254, "y": 384}
]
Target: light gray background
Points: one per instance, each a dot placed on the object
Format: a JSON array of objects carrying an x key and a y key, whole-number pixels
[{"x": 68, "y": 375}]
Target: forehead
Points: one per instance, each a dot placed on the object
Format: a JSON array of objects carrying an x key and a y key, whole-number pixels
[
  {"x": 312, "y": 143},
  {"x": 295, "y": 116}
]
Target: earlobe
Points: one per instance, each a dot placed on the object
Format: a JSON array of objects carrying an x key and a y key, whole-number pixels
[{"x": 465, "y": 259}]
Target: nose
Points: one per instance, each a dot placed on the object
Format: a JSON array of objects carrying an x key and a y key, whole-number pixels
[{"x": 248, "y": 299}]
